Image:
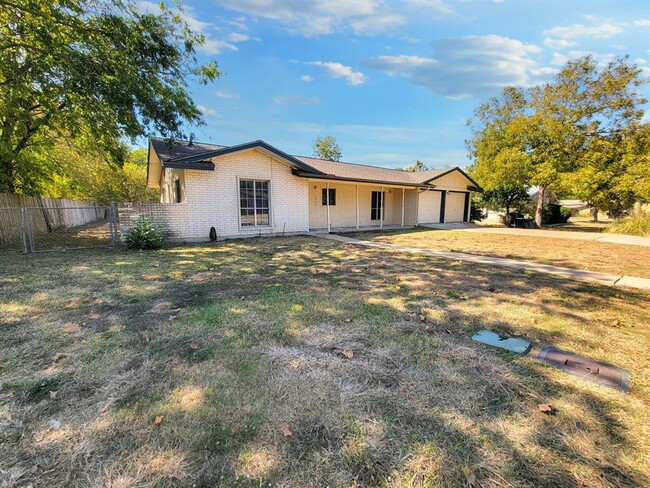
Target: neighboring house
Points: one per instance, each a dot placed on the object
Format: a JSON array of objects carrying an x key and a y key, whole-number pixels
[
  {"x": 255, "y": 188},
  {"x": 577, "y": 207}
]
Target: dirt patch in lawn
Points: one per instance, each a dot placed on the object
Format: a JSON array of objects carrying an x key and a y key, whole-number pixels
[
  {"x": 593, "y": 256},
  {"x": 304, "y": 362}
]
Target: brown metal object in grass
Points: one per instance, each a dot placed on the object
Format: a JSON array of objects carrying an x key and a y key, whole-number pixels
[{"x": 597, "y": 372}]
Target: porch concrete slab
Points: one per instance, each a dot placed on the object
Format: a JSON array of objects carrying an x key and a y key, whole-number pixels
[{"x": 569, "y": 273}]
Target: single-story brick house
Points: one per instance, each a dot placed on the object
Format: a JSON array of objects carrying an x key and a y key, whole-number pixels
[{"x": 255, "y": 188}]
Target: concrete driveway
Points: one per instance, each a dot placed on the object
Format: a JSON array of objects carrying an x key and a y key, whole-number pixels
[{"x": 557, "y": 234}]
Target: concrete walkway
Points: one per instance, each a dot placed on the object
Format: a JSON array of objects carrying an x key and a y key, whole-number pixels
[
  {"x": 558, "y": 234},
  {"x": 570, "y": 273}
]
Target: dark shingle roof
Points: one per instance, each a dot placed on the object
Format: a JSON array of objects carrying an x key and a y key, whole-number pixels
[
  {"x": 340, "y": 170},
  {"x": 180, "y": 149}
]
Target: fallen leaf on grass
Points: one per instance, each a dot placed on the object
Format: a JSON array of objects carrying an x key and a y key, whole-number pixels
[
  {"x": 158, "y": 420},
  {"x": 53, "y": 394},
  {"x": 423, "y": 318},
  {"x": 194, "y": 346},
  {"x": 55, "y": 424},
  {"x": 547, "y": 408},
  {"x": 286, "y": 430},
  {"x": 347, "y": 321},
  {"x": 35, "y": 469},
  {"x": 348, "y": 353},
  {"x": 464, "y": 298}
]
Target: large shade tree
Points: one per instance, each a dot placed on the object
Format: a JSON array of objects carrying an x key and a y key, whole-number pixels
[
  {"x": 559, "y": 135},
  {"x": 100, "y": 66}
]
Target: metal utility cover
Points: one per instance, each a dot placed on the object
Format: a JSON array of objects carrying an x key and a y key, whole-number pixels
[
  {"x": 512, "y": 344},
  {"x": 595, "y": 371}
]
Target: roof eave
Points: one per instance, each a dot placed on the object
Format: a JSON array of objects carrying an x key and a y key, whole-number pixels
[
  {"x": 198, "y": 165},
  {"x": 324, "y": 176},
  {"x": 474, "y": 183}
]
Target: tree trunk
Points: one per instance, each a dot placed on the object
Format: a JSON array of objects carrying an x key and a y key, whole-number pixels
[
  {"x": 594, "y": 214},
  {"x": 540, "y": 205},
  {"x": 6, "y": 176}
]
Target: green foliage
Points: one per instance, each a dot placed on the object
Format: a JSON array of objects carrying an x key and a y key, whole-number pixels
[
  {"x": 414, "y": 168},
  {"x": 476, "y": 212},
  {"x": 79, "y": 171},
  {"x": 327, "y": 148},
  {"x": 551, "y": 213},
  {"x": 144, "y": 235},
  {"x": 508, "y": 197},
  {"x": 100, "y": 66},
  {"x": 635, "y": 224},
  {"x": 567, "y": 135}
]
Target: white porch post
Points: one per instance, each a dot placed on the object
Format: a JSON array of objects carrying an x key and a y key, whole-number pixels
[
  {"x": 417, "y": 206},
  {"x": 357, "y": 207},
  {"x": 403, "y": 207},
  {"x": 381, "y": 207},
  {"x": 327, "y": 196}
]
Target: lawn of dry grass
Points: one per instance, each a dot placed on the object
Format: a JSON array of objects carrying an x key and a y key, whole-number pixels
[
  {"x": 593, "y": 256},
  {"x": 224, "y": 344}
]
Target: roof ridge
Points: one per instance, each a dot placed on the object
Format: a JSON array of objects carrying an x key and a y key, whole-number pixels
[{"x": 373, "y": 166}]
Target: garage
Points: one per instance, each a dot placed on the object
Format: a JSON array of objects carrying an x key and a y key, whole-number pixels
[
  {"x": 429, "y": 207},
  {"x": 455, "y": 206}
]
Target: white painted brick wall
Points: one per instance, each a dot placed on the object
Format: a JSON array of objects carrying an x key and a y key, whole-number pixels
[{"x": 212, "y": 200}]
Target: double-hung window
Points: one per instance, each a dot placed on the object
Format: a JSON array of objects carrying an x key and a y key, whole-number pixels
[
  {"x": 331, "y": 192},
  {"x": 253, "y": 202}
]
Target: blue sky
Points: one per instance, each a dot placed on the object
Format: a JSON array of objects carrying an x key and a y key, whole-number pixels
[{"x": 392, "y": 81}]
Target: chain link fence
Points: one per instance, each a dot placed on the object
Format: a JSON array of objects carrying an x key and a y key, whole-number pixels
[{"x": 36, "y": 229}]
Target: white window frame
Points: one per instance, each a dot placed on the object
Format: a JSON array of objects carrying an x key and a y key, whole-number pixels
[{"x": 255, "y": 225}]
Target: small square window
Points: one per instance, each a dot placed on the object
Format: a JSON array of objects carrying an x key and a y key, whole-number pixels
[{"x": 332, "y": 196}]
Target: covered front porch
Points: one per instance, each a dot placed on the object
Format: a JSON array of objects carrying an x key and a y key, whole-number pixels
[{"x": 337, "y": 206}]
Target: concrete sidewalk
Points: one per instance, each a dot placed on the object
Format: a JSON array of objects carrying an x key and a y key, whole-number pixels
[
  {"x": 558, "y": 234},
  {"x": 570, "y": 273}
]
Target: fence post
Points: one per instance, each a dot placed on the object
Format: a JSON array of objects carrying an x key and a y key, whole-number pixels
[
  {"x": 23, "y": 228},
  {"x": 114, "y": 223}
]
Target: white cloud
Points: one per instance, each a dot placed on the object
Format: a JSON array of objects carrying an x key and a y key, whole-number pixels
[
  {"x": 558, "y": 43},
  {"x": 338, "y": 70},
  {"x": 575, "y": 31},
  {"x": 211, "y": 45},
  {"x": 226, "y": 95},
  {"x": 559, "y": 59},
  {"x": 436, "y": 6},
  {"x": 237, "y": 37},
  {"x": 207, "y": 111},
  {"x": 215, "y": 46},
  {"x": 642, "y": 23},
  {"x": 640, "y": 61},
  {"x": 306, "y": 78},
  {"x": 296, "y": 100},
  {"x": 466, "y": 67},
  {"x": 320, "y": 17}
]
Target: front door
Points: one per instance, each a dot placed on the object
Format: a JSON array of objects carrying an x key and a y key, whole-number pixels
[{"x": 377, "y": 205}]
